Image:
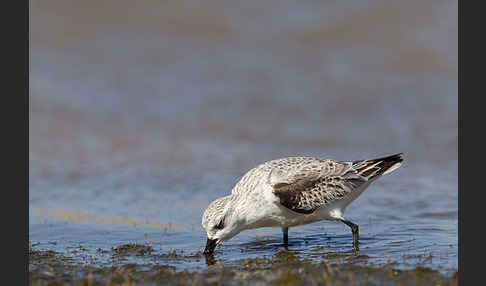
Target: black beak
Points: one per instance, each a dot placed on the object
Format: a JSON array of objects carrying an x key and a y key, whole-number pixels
[{"x": 210, "y": 246}]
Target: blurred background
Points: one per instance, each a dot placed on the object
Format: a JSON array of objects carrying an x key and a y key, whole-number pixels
[{"x": 145, "y": 111}]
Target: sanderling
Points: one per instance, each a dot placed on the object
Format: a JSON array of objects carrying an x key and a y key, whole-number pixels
[{"x": 290, "y": 192}]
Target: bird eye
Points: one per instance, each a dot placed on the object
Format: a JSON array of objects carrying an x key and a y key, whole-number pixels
[{"x": 220, "y": 225}]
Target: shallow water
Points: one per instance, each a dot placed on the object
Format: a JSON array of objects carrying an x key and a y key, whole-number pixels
[
  {"x": 400, "y": 221},
  {"x": 140, "y": 116}
]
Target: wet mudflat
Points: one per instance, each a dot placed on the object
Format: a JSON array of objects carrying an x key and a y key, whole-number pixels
[
  {"x": 140, "y": 116},
  {"x": 89, "y": 252},
  {"x": 283, "y": 268}
]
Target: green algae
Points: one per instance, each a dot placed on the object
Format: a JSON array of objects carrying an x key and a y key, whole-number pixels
[{"x": 132, "y": 248}]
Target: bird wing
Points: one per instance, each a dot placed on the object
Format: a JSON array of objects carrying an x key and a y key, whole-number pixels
[{"x": 313, "y": 183}]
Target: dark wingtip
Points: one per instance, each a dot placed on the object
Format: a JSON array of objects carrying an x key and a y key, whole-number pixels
[
  {"x": 389, "y": 163},
  {"x": 396, "y": 158},
  {"x": 400, "y": 156},
  {"x": 385, "y": 165}
]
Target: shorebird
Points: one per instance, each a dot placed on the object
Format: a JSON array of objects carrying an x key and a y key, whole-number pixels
[{"x": 293, "y": 191}]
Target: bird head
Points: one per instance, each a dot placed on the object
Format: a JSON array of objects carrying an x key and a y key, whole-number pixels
[{"x": 219, "y": 222}]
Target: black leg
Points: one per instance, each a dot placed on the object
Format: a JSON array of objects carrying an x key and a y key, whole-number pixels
[
  {"x": 285, "y": 231},
  {"x": 355, "y": 230}
]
